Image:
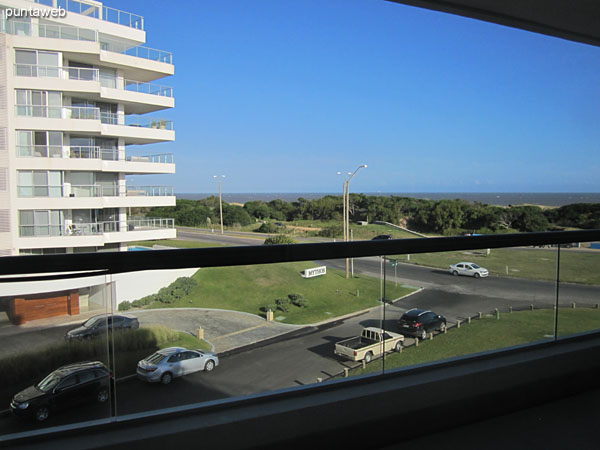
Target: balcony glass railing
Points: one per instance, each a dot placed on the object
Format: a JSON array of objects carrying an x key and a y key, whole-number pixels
[
  {"x": 150, "y": 191},
  {"x": 148, "y": 88},
  {"x": 66, "y": 73},
  {"x": 162, "y": 158},
  {"x": 526, "y": 297},
  {"x": 58, "y": 112},
  {"x": 40, "y": 191},
  {"x": 85, "y": 34},
  {"x": 40, "y": 151},
  {"x": 94, "y": 190},
  {"x": 139, "y": 51},
  {"x": 41, "y": 230},
  {"x": 93, "y": 152},
  {"x": 148, "y": 122},
  {"x": 149, "y": 223},
  {"x": 93, "y": 10}
]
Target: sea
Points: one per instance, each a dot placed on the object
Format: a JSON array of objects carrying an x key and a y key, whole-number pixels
[{"x": 490, "y": 198}]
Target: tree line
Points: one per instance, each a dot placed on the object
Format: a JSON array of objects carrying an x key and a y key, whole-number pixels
[{"x": 429, "y": 216}]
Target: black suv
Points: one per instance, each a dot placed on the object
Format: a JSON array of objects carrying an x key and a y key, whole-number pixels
[
  {"x": 419, "y": 323},
  {"x": 98, "y": 325},
  {"x": 382, "y": 237},
  {"x": 65, "y": 387}
]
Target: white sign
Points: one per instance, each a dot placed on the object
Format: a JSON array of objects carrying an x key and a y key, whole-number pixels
[{"x": 309, "y": 273}]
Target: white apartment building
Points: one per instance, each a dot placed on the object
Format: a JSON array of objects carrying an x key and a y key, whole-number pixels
[
  {"x": 76, "y": 94},
  {"x": 78, "y": 99}
]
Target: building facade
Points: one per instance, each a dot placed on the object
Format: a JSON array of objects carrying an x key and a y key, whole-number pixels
[{"x": 79, "y": 100}]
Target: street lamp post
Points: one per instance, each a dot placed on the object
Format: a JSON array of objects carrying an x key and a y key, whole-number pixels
[
  {"x": 343, "y": 205},
  {"x": 348, "y": 212},
  {"x": 219, "y": 179}
]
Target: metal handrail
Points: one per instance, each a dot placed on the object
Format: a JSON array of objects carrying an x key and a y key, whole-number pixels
[{"x": 122, "y": 262}]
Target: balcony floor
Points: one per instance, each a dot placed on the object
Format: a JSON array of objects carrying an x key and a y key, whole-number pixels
[{"x": 567, "y": 423}]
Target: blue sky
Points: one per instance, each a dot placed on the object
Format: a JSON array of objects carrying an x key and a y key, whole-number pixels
[{"x": 279, "y": 95}]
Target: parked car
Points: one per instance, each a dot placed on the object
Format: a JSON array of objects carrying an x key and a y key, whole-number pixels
[
  {"x": 419, "y": 323},
  {"x": 172, "y": 362},
  {"x": 64, "y": 388},
  {"x": 369, "y": 344},
  {"x": 98, "y": 325},
  {"x": 468, "y": 268},
  {"x": 382, "y": 237}
]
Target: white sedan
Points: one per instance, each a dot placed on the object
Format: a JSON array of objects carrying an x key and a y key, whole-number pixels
[
  {"x": 468, "y": 268},
  {"x": 169, "y": 363}
]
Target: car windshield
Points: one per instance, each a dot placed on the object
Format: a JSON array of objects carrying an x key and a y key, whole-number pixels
[
  {"x": 155, "y": 358},
  {"x": 49, "y": 382},
  {"x": 475, "y": 266},
  {"x": 94, "y": 321}
]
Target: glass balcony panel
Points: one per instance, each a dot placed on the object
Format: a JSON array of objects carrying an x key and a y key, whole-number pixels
[
  {"x": 579, "y": 288},
  {"x": 52, "y": 325}
]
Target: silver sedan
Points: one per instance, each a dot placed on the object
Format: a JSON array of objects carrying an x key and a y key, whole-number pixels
[{"x": 172, "y": 362}]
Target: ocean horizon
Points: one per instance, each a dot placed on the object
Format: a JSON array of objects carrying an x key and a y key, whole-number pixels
[{"x": 490, "y": 198}]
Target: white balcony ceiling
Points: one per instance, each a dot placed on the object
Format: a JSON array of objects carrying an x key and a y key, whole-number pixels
[{"x": 575, "y": 20}]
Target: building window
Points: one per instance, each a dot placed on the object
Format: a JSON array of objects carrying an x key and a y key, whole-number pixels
[
  {"x": 40, "y": 223},
  {"x": 32, "y": 63},
  {"x": 39, "y": 103},
  {"x": 39, "y": 143},
  {"x": 40, "y": 183}
]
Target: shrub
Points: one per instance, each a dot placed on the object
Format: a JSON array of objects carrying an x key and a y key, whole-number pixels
[
  {"x": 270, "y": 306},
  {"x": 177, "y": 289},
  {"x": 124, "y": 306},
  {"x": 282, "y": 304},
  {"x": 298, "y": 300},
  {"x": 331, "y": 231},
  {"x": 268, "y": 227},
  {"x": 279, "y": 239}
]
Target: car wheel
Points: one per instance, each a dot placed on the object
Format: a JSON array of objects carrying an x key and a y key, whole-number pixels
[
  {"x": 166, "y": 378},
  {"x": 423, "y": 334},
  {"x": 477, "y": 275},
  {"x": 442, "y": 327},
  {"x": 368, "y": 357},
  {"x": 210, "y": 365},
  {"x": 455, "y": 272},
  {"x": 398, "y": 346},
  {"x": 42, "y": 413},
  {"x": 102, "y": 395}
]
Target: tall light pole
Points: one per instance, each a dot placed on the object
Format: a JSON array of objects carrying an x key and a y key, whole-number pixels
[
  {"x": 348, "y": 212},
  {"x": 343, "y": 205},
  {"x": 219, "y": 179}
]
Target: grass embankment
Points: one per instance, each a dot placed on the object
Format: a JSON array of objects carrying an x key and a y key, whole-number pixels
[
  {"x": 488, "y": 333},
  {"x": 576, "y": 266},
  {"x": 249, "y": 288},
  {"x": 22, "y": 370}
]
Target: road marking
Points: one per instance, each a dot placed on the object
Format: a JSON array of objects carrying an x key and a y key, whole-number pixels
[{"x": 240, "y": 331}]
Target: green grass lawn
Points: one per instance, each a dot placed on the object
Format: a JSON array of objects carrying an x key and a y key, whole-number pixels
[
  {"x": 538, "y": 264},
  {"x": 489, "y": 334},
  {"x": 248, "y": 288},
  {"x": 176, "y": 243}
]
